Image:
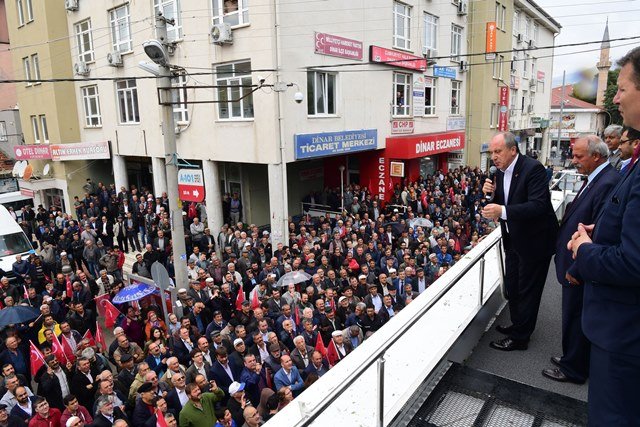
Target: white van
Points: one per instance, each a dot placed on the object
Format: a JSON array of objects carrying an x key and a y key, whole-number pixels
[{"x": 13, "y": 241}]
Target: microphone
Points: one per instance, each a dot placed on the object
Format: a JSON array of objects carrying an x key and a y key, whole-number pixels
[{"x": 492, "y": 176}]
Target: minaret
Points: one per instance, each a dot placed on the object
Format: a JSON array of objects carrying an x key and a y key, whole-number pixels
[{"x": 603, "y": 66}]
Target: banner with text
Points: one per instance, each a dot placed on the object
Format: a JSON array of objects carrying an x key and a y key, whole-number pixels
[
  {"x": 503, "y": 117},
  {"x": 328, "y": 44},
  {"x": 81, "y": 151},
  {"x": 313, "y": 145}
]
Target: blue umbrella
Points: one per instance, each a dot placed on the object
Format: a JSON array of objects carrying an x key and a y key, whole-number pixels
[
  {"x": 17, "y": 314},
  {"x": 133, "y": 293}
]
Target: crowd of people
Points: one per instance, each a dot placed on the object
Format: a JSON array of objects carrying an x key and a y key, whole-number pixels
[{"x": 238, "y": 345}]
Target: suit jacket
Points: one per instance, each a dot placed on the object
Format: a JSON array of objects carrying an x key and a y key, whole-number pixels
[
  {"x": 610, "y": 269},
  {"x": 531, "y": 221},
  {"x": 173, "y": 401},
  {"x": 192, "y": 372},
  {"x": 79, "y": 384},
  {"x": 296, "y": 383},
  {"x": 100, "y": 420},
  {"x": 19, "y": 412},
  {"x": 297, "y": 359},
  {"x": 221, "y": 376},
  {"x": 582, "y": 210}
]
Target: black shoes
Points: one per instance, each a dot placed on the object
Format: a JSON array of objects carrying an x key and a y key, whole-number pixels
[
  {"x": 509, "y": 344},
  {"x": 505, "y": 330},
  {"x": 556, "y": 360},
  {"x": 557, "y": 375}
]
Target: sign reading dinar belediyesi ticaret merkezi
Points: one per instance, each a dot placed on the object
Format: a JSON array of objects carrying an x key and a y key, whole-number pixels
[
  {"x": 329, "y": 143},
  {"x": 191, "y": 185}
]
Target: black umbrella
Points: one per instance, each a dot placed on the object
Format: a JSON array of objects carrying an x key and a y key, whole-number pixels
[{"x": 17, "y": 314}]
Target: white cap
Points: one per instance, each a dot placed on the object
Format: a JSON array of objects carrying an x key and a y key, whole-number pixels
[
  {"x": 392, "y": 270},
  {"x": 362, "y": 276},
  {"x": 63, "y": 253},
  {"x": 336, "y": 333},
  {"x": 235, "y": 387},
  {"x": 341, "y": 299},
  {"x": 237, "y": 341},
  {"x": 72, "y": 420},
  {"x": 209, "y": 279}
]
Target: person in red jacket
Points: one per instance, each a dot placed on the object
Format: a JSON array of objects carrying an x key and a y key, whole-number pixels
[{"x": 45, "y": 415}]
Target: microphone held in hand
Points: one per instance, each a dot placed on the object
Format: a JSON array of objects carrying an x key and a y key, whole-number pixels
[{"x": 492, "y": 176}]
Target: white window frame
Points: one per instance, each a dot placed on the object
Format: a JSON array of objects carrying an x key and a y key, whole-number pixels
[
  {"x": 430, "y": 109},
  {"x": 232, "y": 81},
  {"x": 170, "y": 9},
  {"x": 92, "y": 116},
  {"x": 513, "y": 100},
  {"x": 525, "y": 68},
  {"x": 516, "y": 22},
  {"x": 527, "y": 28},
  {"x": 456, "y": 42},
  {"x": 322, "y": 91},
  {"x": 84, "y": 36},
  {"x": 493, "y": 112},
  {"x": 533, "y": 68},
  {"x": 237, "y": 17},
  {"x": 456, "y": 93},
  {"x": 501, "y": 16},
  {"x": 29, "y": 11},
  {"x": 536, "y": 31},
  {"x": 3, "y": 131},
  {"x": 127, "y": 100},
  {"x": 45, "y": 128},
  {"x": 119, "y": 41},
  {"x": 36, "y": 129},
  {"x": 498, "y": 67},
  {"x": 20, "y": 11},
  {"x": 401, "y": 13},
  {"x": 402, "y": 83},
  {"x": 532, "y": 101},
  {"x": 35, "y": 62},
  {"x": 431, "y": 23},
  {"x": 178, "y": 96},
  {"x": 26, "y": 67}
]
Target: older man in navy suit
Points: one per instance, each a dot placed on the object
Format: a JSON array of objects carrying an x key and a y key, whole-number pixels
[
  {"x": 607, "y": 259},
  {"x": 522, "y": 203},
  {"x": 590, "y": 155}
]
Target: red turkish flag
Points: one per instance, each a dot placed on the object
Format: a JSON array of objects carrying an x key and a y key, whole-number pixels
[
  {"x": 100, "y": 301},
  {"x": 89, "y": 336},
  {"x": 69, "y": 289},
  {"x": 111, "y": 313},
  {"x": 332, "y": 354},
  {"x": 161, "y": 421},
  {"x": 296, "y": 313},
  {"x": 320, "y": 345},
  {"x": 240, "y": 299},
  {"x": 37, "y": 360},
  {"x": 255, "y": 301},
  {"x": 100, "y": 338},
  {"x": 58, "y": 351},
  {"x": 68, "y": 351}
]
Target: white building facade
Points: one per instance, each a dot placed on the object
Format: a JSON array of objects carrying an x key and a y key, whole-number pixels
[{"x": 355, "y": 117}]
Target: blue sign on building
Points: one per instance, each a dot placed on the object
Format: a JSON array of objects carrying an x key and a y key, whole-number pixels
[
  {"x": 313, "y": 145},
  {"x": 446, "y": 72}
]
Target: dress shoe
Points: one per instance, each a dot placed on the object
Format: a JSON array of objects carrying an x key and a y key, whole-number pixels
[
  {"x": 557, "y": 375},
  {"x": 505, "y": 330},
  {"x": 509, "y": 344},
  {"x": 556, "y": 360}
]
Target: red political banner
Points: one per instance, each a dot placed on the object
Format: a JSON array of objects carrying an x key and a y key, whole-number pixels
[{"x": 503, "y": 116}]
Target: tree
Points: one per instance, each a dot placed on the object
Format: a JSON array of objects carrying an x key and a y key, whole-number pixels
[{"x": 614, "y": 116}]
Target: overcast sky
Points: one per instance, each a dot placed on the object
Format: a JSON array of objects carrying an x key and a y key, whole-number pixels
[{"x": 584, "y": 20}]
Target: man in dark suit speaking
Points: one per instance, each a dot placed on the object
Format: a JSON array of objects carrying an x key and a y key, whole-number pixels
[
  {"x": 607, "y": 257},
  {"x": 522, "y": 203},
  {"x": 590, "y": 155}
]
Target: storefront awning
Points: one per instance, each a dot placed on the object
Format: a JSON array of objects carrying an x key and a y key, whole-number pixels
[{"x": 416, "y": 146}]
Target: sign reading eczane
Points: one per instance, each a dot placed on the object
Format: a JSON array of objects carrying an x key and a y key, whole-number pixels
[{"x": 329, "y": 143}]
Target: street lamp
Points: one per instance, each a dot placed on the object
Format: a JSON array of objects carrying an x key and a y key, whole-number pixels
[
  {"x": 156, "y": 51},
  {"x": 341, "y": 167}
]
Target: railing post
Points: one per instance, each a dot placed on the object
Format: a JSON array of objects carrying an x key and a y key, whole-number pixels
[
  {"x": 480, "y": 297},
  {"x": 501, "y": 262},
  {"x": 381, "y": 362}
]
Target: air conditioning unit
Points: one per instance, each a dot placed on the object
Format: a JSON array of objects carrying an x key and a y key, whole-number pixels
[
  {"x": 221, "y": 34},
  {"x": 81, "y": 68},
  {"x": 532, "y": 44},
  {"x": 462, "y": 8},
  {"x": 115, "y": 59},
  {"x": 520, "y": 37},
  {"x": 464, "y": 66},
  {"x": 430, "y": 55},
  {"x": 71, "y": 5}
]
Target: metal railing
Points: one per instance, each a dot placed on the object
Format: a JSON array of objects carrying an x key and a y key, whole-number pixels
[{"x": 377, "y": 356}]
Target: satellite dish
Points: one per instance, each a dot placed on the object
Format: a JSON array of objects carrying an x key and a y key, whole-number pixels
[
  {"x": 16, "y": 167},
  {"x": 46, "y": 169},
  {"x": 27, "y": 173},
  {"x": 22, "y": 167}
]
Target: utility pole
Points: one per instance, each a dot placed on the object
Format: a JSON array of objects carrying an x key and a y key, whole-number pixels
[
  {"x": 564, "y": 73},
  {"x": 168, "y": 131}
]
